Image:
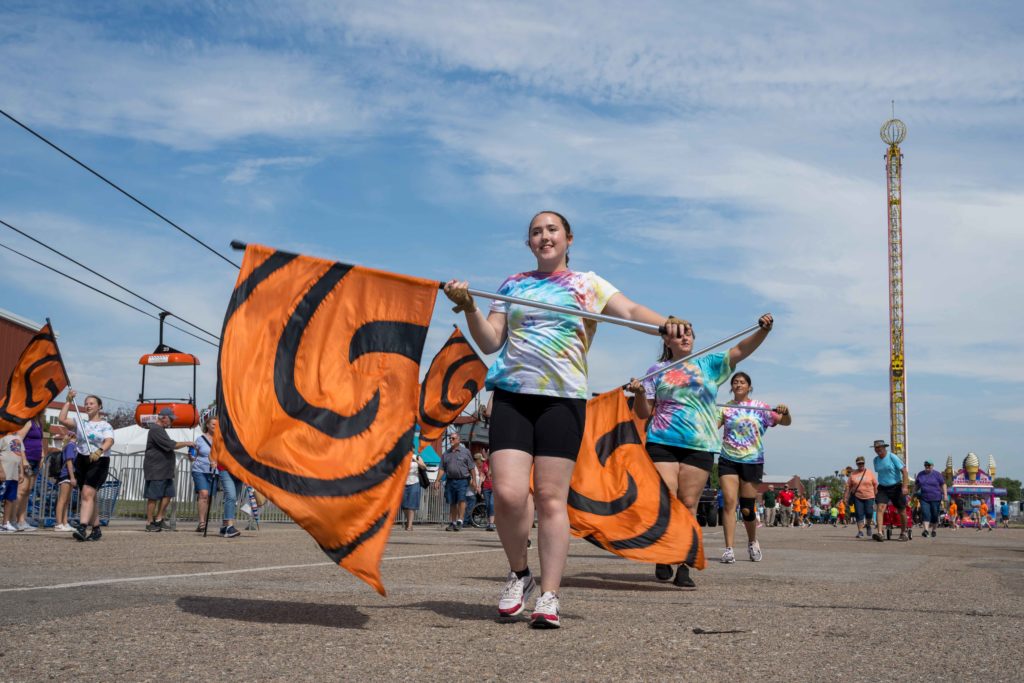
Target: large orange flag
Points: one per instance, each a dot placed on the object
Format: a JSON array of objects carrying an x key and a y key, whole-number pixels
[
  {"x": 316, "y": 395},
  {"x": 455, "y": 376},
  {"x": 35, "y": 381},
  {"x": 617, "y": 499}
]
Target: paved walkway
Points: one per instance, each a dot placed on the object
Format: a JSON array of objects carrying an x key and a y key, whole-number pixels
[{"x": 822, "y": 606}]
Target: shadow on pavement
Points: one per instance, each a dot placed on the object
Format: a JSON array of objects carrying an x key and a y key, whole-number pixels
[
  {"x": 467, "y": 611},
  {"x": 618, "y": 582},
  {"x": 273, "y": 611}
]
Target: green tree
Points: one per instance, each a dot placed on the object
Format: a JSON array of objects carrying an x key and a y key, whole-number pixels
[{"x": 1012, "y": 487}]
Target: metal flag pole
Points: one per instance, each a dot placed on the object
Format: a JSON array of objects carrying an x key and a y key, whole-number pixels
[
  {"x": 67, "y": 379},
  {"x": 693, "y": 355},
  {"x": 743, "y": 407},
  {"x": 587, "y": 315}
]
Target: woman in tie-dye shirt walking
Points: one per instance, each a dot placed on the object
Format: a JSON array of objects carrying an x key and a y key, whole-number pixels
[
  {"x": 539, "y": 380},
  {"x": 682, "y": 435},
  {"x": 741, "y": 462}
]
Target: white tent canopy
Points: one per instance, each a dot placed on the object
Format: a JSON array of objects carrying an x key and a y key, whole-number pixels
[{"x": 133, "y": 439}]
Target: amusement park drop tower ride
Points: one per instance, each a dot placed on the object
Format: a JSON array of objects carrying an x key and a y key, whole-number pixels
[{"x": 893, "y": 133}]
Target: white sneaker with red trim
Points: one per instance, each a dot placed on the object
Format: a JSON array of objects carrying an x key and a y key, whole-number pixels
[
  {"x": 545, "y": 613},
  {"x": 515, "y": 594}
]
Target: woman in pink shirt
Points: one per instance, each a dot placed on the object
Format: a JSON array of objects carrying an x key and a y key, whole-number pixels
[{"x": 861, "y": 487}]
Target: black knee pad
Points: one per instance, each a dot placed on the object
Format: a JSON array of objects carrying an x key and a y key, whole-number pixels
[{"x": 747, "y": 509}]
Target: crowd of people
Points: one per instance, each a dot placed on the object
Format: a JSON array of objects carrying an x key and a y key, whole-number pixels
[
  {"x": 539, "y": 391},
  {"x": 79, "y": 458}
]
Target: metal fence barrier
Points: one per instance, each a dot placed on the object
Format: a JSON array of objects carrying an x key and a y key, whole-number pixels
[{"x": 121, "y": 497}]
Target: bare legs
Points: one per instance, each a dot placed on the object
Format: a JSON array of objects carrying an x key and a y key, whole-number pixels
[
  {"x": 89, "y": 512},
  {"x": 204, "y": 506},
  {"x": 514, "y": 510},
  {"x": 732, "y": 490}
]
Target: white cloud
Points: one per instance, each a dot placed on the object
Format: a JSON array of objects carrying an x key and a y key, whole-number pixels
[{"x": 247, "y": 170}]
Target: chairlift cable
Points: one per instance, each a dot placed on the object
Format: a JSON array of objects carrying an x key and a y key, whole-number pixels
[
  {"x": 100, "y": 291},
  {"x": 121, "y": 190},
  {"x": 104, "y": 277}
]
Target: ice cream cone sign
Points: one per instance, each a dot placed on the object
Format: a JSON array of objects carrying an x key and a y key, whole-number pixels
[{"x": 971, "y": 465}]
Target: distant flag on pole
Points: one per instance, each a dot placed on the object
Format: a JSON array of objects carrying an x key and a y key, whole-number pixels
[
  {"x": 36, "y": 380},
  {"x": 617, "y": 499},
  {"x": 455, "y": 376},
  {"x": 316, "y": 395}
]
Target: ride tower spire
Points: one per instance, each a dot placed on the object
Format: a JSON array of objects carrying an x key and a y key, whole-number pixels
[{"x": 893, "y": 132}]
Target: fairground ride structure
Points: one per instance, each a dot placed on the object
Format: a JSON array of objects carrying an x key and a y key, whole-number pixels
[{"x": 893, "y": 133}]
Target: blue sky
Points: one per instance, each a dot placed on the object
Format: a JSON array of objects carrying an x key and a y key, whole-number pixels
[{"x": 716, "y": 162}]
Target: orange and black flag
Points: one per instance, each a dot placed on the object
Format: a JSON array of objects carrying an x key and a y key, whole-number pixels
[
  {"x": 455, "y": 376},
  {"x": 36, "y": 380},
  {"x": 316, "y": 395},
  {"x": 617, "y": 499}
]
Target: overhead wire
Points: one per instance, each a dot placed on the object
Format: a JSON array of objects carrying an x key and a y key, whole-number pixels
[
  {"x": 106, "y": 294},
  {"x": 104, "y": 277},
  {"x": 120, "y": 189}
]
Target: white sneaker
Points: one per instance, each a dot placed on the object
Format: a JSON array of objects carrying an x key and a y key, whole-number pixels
[
  {"x": 25, "y": 526},
  {"x": 60, "y": 527},
  {"x": 545, "y": 613},
  {"x": 755, "y": 551},
  {"x": 8, "y": 527},
  {"x": 515, "y": 594},
  {"x": 728, "y": 557}
]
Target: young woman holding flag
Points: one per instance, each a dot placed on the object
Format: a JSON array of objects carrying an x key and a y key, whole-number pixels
[
  {"x": 539, "y": 380},
  {"x": 682, "y": 435},
  {"x": 741, "y": 462}
]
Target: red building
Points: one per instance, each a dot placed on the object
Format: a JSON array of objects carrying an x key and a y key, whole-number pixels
[{"x": 15, "y": 333}]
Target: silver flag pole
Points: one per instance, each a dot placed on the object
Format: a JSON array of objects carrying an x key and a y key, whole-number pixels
[
  {"x": 720, "y": 342},
  {"x": 598, "y": 317}
]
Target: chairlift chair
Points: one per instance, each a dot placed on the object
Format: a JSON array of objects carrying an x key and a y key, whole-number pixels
[{"x": 185, "y": 411}]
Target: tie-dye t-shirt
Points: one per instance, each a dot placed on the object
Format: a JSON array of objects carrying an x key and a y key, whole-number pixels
[
  {"x": 741, "y": 440},
  {"x": 685, "y": 414},
  {"x": 546, "y": 352}
]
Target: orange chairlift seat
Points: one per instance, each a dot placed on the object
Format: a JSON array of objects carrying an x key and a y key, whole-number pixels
[{"x": 185, "y": 412}]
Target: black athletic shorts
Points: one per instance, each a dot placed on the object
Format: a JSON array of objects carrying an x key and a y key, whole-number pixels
[
  {"x": 91, "y": 473},
  {"x": 659, "y": 452},
  {"x": 891, "y": 494},
  {"x": 750, "y": 472},
  {"x": 538, "y": 425}
]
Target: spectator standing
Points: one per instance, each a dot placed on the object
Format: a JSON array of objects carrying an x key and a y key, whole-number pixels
[
  {"x": 768, "y": 498},
  {"x": 32, "y": 438},
  {"x": 931, "y": 491},
  {"x": 834, "y": 515},
  {"x": 841, "y": 511},
  {"x": 459, "y": 468},
  {"x": 413, "y": 490},
  {"x": 203, "y": 472},
  {"x": 953, "y": 514},
  {"x": 861, "y": 488},
  {"x": 94, "y": 437},
  {"x": 1004, "y": 514},
  {"x": 230, "y": 486},
  {"x": 486, "y": 486},
  {"x": 786, "y": 498},
  {"x": 892, "y": 488},
  {"x": 473, "y": 495},
  {"x": 158, "y": 470},
  {"x": 66, "y": 482},
  {"x": 12, "y": 459}
]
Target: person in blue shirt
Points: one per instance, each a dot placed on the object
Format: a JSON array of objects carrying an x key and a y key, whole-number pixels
[
  {"x": 1004, "y": 514},
  {"x": 892, "y": 477}
]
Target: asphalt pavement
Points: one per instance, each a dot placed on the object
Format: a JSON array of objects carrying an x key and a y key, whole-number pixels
[{"x": 822, "y": 606}]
